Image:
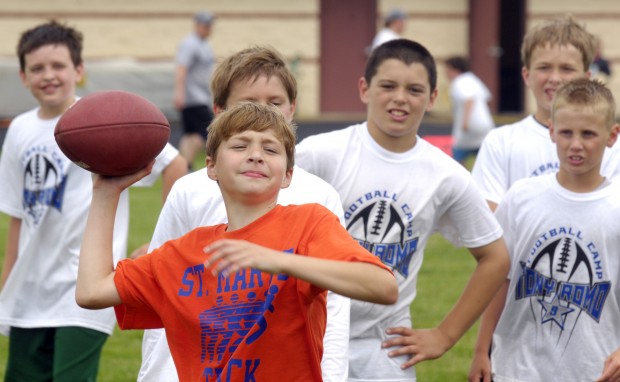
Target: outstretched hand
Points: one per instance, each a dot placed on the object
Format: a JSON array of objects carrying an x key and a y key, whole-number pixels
[
  {"x": 227, "y": 256},
  {"x": 419, "y": 344}
]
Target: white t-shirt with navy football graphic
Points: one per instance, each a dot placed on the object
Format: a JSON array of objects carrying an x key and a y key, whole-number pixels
[
  {"x": 521, "y": 150},
  {"x": 560, "y": 321},
  {"x": 393, "y": 203},
  {"x": 51, "y": 195}
]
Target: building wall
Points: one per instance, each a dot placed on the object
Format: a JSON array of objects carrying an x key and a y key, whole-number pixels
[{"x": 131, "y": 44}]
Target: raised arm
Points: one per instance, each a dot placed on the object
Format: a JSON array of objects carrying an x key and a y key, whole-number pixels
[
  {"x": 95, "y": 287},
  {"x": 358, "y": 280}
]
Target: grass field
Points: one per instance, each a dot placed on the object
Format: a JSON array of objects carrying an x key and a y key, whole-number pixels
[{"x": 443, "y": 276}]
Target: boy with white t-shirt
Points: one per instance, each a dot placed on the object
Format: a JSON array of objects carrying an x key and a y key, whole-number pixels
[
  {"x": 48, "y": 197},
  {"x": 553, "y": 52},
  {"x": 397, "y": 189},
  {"x": 257, "y": 74},
  {"x": 560, "y": 307}
]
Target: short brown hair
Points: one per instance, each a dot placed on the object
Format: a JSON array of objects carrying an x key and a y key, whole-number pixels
[
  {"x": 586, "y": 93},
  {"x": 558, "y": 32},
  {"x": 50, "y": 33},
  {"x": 249, "y": 64},
  {"x": 250, "y": 116}
]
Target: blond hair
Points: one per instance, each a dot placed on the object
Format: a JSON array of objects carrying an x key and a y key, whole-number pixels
[
  {"x": 559, "y": 32},
  {"x": 249, "y": 64},
  {"x": 249, "y": 116},
  {"x": 586, "y": 93}
]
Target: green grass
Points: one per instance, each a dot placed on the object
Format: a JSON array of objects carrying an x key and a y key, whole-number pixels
[{"x": 443, "y": 276}]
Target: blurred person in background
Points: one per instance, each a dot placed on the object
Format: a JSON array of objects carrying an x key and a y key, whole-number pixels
[
  {"x": 192, "y": 96},
  {"x": 393, "y": 27},
  {"x": 471, "y": 116}
]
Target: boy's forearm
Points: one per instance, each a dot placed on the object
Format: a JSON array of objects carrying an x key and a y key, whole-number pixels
[
  {"x": 357, "y": 280},
  {"x": 485, "y": 281},
  {"x": 95, "y": 283},
  {"x": 489, "y": 320}
]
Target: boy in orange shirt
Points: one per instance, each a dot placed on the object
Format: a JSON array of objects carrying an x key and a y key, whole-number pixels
[{"x": 245, "y": 298}]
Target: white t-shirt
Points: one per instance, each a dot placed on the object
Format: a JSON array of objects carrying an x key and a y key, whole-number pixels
[
  {"x": 522, "y": 150},
  {"x": 464, "y": 87},
  {"x": 393, "y": 202},
  {"x": 51, "y": 195},
  {"x": 562, "y": 310},
  {"x": 194, "y": 201}
]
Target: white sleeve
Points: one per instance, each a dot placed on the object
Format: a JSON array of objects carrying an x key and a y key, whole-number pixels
[
  {"x": 170, "y": 224},
  {"x": 12, "y": 185},
  {"x": 335, "y": 362},
  {"x": 489, "y": 170},
  {"x": 167, "y": 155},
  {"x": 157, "y": 364}
]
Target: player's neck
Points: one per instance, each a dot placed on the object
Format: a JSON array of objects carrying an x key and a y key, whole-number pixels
[
  {"x": 581, "y": 183},
  {"x": 241, "y": 214},
  {"x": 542, "y": 117}
]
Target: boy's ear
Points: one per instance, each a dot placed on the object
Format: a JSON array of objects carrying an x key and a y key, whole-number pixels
[
  {"x": 431, "y": 100},
  {"x": 286, "y": 180},
  {"x": 80, "y": 73},
  {"x": 22, "y": 76},
  {"x": 217, "y": 109},
  {"x": 363, "y": 88},
  {"x": 525, "y": 74},
  {"x": 551, "y": 130},
  {"x": 211, "y": 171},
  {"x": 293, "y": 108},
  {"x": 613, "y": 135}
]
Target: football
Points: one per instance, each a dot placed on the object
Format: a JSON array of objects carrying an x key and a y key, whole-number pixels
[{"x": 112, "y": 133}]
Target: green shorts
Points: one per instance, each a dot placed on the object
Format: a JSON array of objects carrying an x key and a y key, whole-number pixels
[{"x": 65, "y": 354}]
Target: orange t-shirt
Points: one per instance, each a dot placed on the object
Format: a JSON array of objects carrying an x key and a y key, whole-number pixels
[{"x": 250, "y": 326}]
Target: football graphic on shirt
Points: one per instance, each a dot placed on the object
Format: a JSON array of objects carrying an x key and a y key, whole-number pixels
[
  {"x": 564, "y": 260},
  {"x": 377, "y": 220}
]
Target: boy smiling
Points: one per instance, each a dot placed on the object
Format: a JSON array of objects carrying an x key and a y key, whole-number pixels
[
  {"x": 562, "y": 233},
  {"x": 397, "y": 190},
  {"x": 275, "y": 261}
]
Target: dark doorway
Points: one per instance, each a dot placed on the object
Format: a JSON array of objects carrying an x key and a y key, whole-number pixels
[
  {"x": 512, "y": 28},
  {"x": 347, "y": 28}
]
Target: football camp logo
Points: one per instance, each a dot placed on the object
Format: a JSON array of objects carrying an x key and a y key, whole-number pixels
[
  {"x": 44, "y": 184},
  {"x": 383, "y": 226},
  {"x": 563, "y": 279}
]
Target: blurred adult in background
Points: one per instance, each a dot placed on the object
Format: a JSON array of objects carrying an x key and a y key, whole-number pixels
[
  {"x": 600, "y": 68},
  {"x": 192, "y": 96},
  {"x": 471, "y": 116},
  {"x": 393, "y": 27}
]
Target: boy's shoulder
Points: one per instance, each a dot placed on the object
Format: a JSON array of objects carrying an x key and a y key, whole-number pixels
[
  {"x": 522, "y": 130},
  {"x": 27, "y": 116},
  {"x": 333, "y": 137}
]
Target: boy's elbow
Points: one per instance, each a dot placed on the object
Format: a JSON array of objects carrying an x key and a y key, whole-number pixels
[
  {"x": 88, "y": 300},
  {"x": 392, "y": 291},
  {"x": 388, "y": 291}
]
